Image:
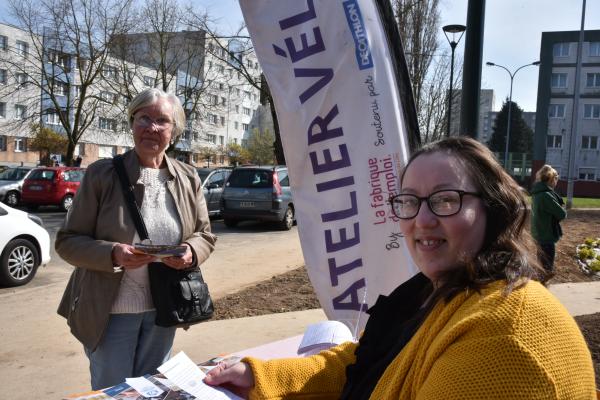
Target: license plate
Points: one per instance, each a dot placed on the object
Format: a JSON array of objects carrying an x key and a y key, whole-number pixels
[
  {"x": 35, "y": 187},
  {"x": 246, "y": 204}
]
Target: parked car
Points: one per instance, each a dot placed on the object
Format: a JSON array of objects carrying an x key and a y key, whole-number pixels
[
  {"x": 24, "y": 246},
  {"x": 213, "y": 181},
  {"x": 51, "y": 186},
  {"x": 11, "y": 183},
  {"x": 258, "y": 193}
]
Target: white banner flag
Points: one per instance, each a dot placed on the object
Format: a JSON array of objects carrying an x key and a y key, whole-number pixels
[{"x": 343, "y": 128}]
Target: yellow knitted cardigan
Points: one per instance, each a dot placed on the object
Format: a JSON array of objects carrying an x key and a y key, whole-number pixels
[{"x": 477, "y": 346}]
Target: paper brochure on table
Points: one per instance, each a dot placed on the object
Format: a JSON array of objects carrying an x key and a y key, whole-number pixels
[
  {"x": 323, "y": 335},
  {"x": 182, "y": 371}
]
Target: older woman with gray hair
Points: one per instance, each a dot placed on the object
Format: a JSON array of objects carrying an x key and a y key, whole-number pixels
[{"x": 107, "y": 303}]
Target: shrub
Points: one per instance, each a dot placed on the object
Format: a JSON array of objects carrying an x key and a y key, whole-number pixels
[
  {"x": 585, "y": 253},
  {"x": 595, "y": 265},
  {"x": 589, "y": 242}
]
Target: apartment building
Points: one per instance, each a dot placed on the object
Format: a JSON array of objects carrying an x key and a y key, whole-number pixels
[
  {"x": 556, "y": 122},
  {"x": 486, "y": 105},
  {"x": 220, "y": 105},
  {"x": 19, "y": 97}
]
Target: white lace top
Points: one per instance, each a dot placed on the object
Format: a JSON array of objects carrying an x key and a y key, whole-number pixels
[{"x": 164, "y": 227}]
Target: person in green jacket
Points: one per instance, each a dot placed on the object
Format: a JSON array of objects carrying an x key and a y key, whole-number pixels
[{"x": 546, "y": 213}]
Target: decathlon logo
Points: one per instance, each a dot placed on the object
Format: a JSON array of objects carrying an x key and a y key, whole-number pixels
[{"x": 357, "y": 27}]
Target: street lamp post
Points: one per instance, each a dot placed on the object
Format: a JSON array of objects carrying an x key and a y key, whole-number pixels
[
  {"x": 512, "y": 76},
  {"x": 453, "y": 30}
]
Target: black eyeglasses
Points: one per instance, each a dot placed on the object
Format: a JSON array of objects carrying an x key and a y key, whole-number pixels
[{"x": 442, "y": 203}]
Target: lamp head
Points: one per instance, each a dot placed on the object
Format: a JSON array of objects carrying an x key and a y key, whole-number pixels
[
  {"x": 535, "y": 63},
  {"x": 491, "y": 64},
  {"x": 455, "y": 28}
]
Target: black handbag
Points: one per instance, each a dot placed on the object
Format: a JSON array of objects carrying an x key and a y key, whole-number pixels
[{"x": 181, "y": 297}]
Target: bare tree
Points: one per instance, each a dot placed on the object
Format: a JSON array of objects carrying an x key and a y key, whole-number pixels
[
  {"x": 71, "y": 41},
  {"x": 419, "y": 25}
]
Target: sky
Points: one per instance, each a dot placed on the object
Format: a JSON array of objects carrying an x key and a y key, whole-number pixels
[{"x": 512, "y": 36}]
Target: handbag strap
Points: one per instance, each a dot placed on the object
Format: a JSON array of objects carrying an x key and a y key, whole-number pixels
[{"x": 132, "y": 205}]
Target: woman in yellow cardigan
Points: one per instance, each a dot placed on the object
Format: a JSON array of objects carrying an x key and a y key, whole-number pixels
[{"x": 474, "y": 324}]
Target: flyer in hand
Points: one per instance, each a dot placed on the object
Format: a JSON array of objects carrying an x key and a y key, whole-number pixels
[{"x": 160, "y": 250}]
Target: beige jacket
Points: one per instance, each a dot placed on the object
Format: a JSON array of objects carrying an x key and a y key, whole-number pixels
[{"x": 98, "y": 219}]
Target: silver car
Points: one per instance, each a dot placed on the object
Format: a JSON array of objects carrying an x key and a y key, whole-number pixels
[
  {"x": 260, "y": 194},
  {"x": 11, "y": 183}
]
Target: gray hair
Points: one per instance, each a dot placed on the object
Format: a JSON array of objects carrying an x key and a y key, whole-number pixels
[{"x": 151, "y": 96}]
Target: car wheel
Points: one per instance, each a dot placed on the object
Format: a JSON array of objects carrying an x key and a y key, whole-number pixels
[
  {"x": 12, "y": 199},
  {"x": 66, "y": 202},
  {"x": 230, "y": 223},
  {"x": 18, "y": 263},
  {"x": 288, "y": 220}
]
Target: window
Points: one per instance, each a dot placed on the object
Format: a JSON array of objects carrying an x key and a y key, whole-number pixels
[
  {"x": 235, "y": 140},
  {"x": 109, "y": 72},
  {"x": 237, "y": 92},
  {"x": 556, "y": 111},
  {"x": 245, "y": 127},
  {"x": 560, "y": 50},
  {"x": 3, "y": 76},
  {"x": 20, "y": 111},
  {"x": 2, "y": 110},
  {"x": 559, "y": 80},
  {"x": 79, "y": 149},
  {"x": 593, "y": 80},
  {"x": 213, "y": 99},
  {"x": 60, "y": 88},
  {"x": 589, "y": 142},
  {"x": 108, "y": 97},
  {"x": 20, "y": 145},
  {"x": 53, "y": 118},
  {"x": 223, "y": 101},
  {"x": 237, "y": 109},
  {"x": 591, "y": 111},
  {"x": 22, "y": 49},
  {"x": 2, "y": 143},
  {"x": 21, "y": 78},
  {"x": 594, "y": 49},
  {"x": 221, "y": 68},
  {"x": 221, "y": 140},
  {"x": 283, "y": 178},
  {"x": 106, "y": 151},
  {"x": 587, "y": 174},
  {"x": 149, "y": 81},
  {"x": 222, "y": 122},
  {"x": 247, "y": 111},
  {"x": 76, "y": 90},
  {"x": 211, "y": 138},
  {"x": 221, "y": 86},
  {"x": 107, "y": 124},
  {"x": 59, "y": 59},
  {"x": 554, "y": 141},
  {"x": 236, "y": 125},
  {"x": 3, "y": 42},
  {"x": 247, "y": 94},
  {"x": 212, "y": 118}
]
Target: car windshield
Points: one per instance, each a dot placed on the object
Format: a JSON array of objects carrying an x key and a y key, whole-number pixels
[
  {"x": 13, "y": 174},
  {"x": 42, "y": 175},
  {"x": 251, "y": 178},
  {"x": 203, "y": 174}
]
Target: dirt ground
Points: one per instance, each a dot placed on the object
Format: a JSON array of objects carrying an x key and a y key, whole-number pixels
[{"x": 292, "y": 291}]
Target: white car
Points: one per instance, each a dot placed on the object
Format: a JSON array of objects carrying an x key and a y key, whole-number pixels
[{"x": 24, "y": 246}]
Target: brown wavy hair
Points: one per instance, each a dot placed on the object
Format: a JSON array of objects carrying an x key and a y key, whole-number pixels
[{"x": 508, "y": 251}]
